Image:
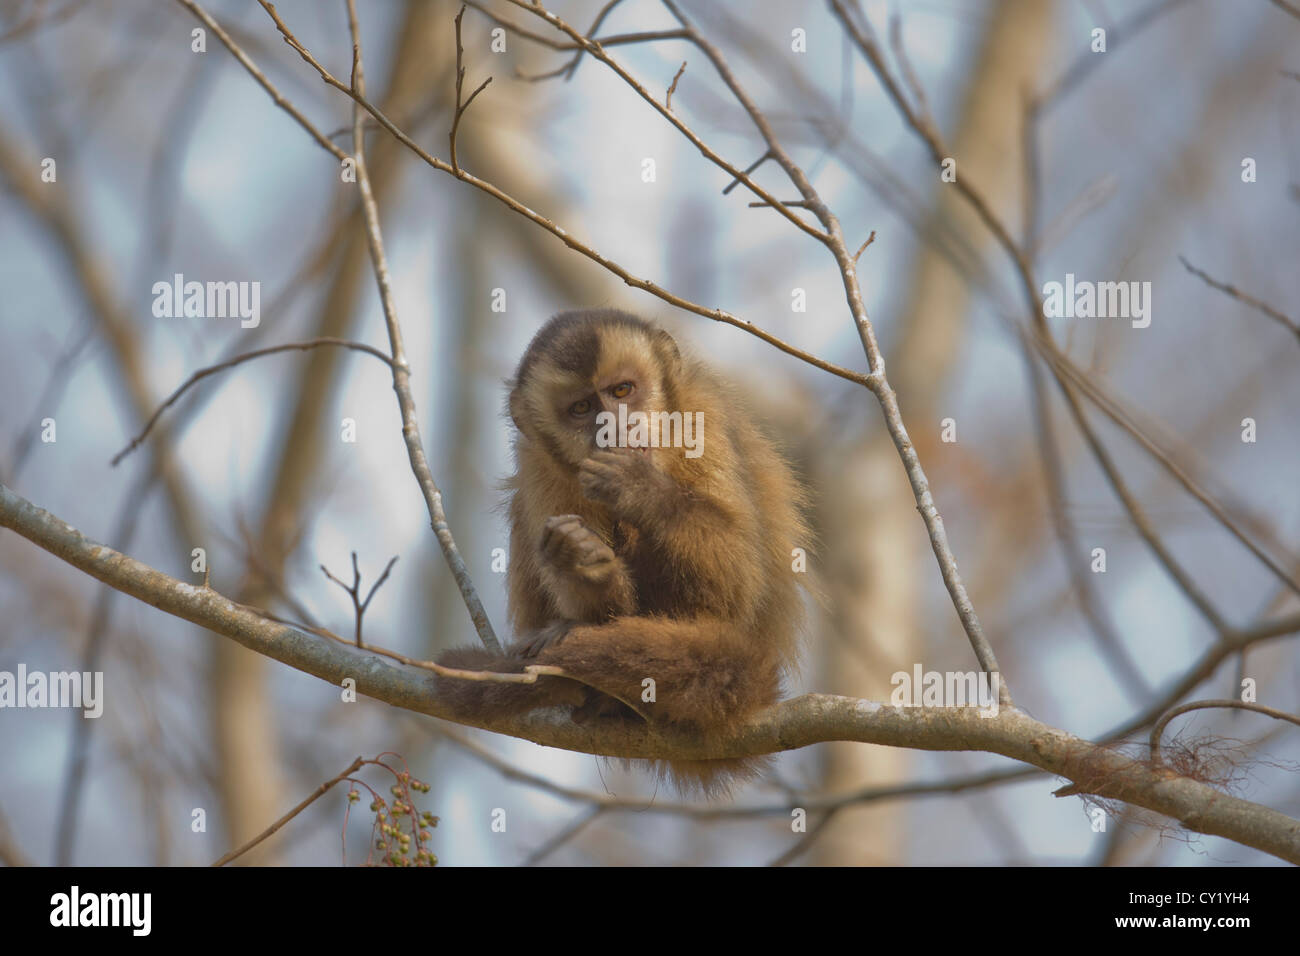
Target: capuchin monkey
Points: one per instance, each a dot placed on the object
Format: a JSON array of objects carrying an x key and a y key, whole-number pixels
[{"x": 654, "y": 545}]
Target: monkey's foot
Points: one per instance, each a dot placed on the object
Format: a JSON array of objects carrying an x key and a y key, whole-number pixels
[{"x": 530, "y": 645}]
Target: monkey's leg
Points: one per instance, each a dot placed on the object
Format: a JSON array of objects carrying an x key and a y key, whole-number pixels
[
  {"x": 701, "y": 671},
  {"x": 471, "y": 698},
  {"x": 588, "y": 580}
]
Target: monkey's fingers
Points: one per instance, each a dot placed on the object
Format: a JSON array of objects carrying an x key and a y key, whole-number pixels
[
  {"x": 611, "y": 460},
  {"x": 556, "y": 530},
  {"x": 555, "y": 520},
  {"x": 594, "y": 553},
  {"x": 600, "y": 479}
]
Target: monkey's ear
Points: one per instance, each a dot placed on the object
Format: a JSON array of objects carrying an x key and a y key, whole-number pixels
[{"x": 666, "y": 348}]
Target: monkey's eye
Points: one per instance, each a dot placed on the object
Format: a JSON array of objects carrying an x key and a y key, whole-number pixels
[
  {"x": 622, "y": 390},
  {"x": 580, "y": 408}
]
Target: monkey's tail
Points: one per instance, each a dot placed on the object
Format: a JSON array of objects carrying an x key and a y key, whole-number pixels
[
  {"x": 697, "y": 674},
  {"x": 711, "y": 779}
]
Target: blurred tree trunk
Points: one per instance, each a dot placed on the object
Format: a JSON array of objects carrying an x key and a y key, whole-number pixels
[{"x": 876, "y": 550}]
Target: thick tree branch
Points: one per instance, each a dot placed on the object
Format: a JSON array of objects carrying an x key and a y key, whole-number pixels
[{"x": 806, "y": 720}]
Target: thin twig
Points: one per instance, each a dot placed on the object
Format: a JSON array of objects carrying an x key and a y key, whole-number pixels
[
  {"x": 767, "y": 154},
  {"x": 1230, "y": 290},
  {"x": 354, "y": 590},
  {"x": 1084, "y": 64},
  {"x": 1233, "y": 644},
  {"x": 1137, "y": 515},
  {"x": 805, "y": 842},
  {"x": 319, "y": 792},
  {"x": 793, "y": 203},
  {"x": 528, "y": 676},
  {"x": 460, "y": 79},
  {"x": 1112, "y": 409},
  {"x": 1094, "y": 610},
  {"x": 60, "y": 377},
  {"x": 591, "y": 32},
  {"x": 905, "y": 66},
  {"x": 578, "y": 824},
  {"x": 1158, "y": 730},
  {"x": 833, "y": 239},
  {"x": 672, "y": 87},
  {"x": 863, "y": 248},
  {"x": 239, "y": 360}
]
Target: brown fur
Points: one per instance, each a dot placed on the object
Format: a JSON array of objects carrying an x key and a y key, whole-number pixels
[{"x": 667, "y": 567}]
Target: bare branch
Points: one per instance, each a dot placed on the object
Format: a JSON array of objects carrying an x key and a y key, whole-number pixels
[
  {"x": 1083, "y": 65},
  {"x": 905, "y": 65},
  {"x": 564, "y": 836},
  {"x": 1230, "y": 290},
  {"x": 354, "y": 590},
  {"x": 672, "y": 87},
  {"x": 789, "y": 725},
  {"x": 1158, "y": 730},
  {"x": 239, "y": 360},
  {"x": 319, "y": 792},
  {"x": 863, "y": 248},
  {"x": 460, "y": 79}
]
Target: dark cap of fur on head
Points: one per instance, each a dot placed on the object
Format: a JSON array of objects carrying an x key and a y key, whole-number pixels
[
  {"x": 572, "y": 342},
  {"x": 571, "y": 339}
]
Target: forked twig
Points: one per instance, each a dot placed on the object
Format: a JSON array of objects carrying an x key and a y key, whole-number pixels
[
  {"x": 460, "y": 79},
  {"x": 354, "y": 590}
]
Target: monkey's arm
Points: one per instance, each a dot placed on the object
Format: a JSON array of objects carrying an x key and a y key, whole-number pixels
[
  {"x": 710, "y": 542},
  {"x": 638, "y": 492}
]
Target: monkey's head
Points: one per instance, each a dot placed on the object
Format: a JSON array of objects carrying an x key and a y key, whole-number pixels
[{"x": 583, "y": 363}]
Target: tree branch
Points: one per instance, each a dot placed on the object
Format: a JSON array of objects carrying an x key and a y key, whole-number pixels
[{"x": 806, "y": 720}]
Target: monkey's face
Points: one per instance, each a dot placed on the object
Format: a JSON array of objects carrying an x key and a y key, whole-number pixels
[{"x": 579, "y": 386}]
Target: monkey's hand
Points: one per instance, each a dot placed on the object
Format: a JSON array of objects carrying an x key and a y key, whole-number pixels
[
  {"x": 587, "y": 580},
  {"x": 629, "y": 484},
  {"x": 570, "y": 547}
]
